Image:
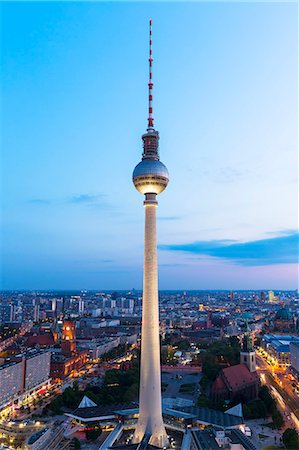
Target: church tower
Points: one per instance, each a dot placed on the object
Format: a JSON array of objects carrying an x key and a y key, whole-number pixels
[{"x": 247, "y": 354}]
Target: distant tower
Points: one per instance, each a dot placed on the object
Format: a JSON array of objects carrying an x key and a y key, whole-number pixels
[
  {"x": 55, "y": 330},
  {"x": 150, "y": 178},
  {"x": 36, "y": 310},
  {"x": 54, "y": 305},
  {"x": 262, "y": 296},
  {"x": 68, "y": 340},
  {"x": 81, "y": 307},
  {"x": 247, "y": 354},
  {"x": 271, "y": 297},
  {"x": 62, "y": 312}
]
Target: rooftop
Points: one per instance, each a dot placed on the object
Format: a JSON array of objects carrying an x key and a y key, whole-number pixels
[
  {"x": 90, "y": 413},
  {"x": 284, "y": 314},
  {"x": 238, "y": 375},
  {"x": 212, "y": 417},
  {"x": 205, "y": 439},
  {"x": 277, "y": 337}
]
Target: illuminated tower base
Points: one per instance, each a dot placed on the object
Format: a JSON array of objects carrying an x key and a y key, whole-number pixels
[{"x": 150, "y": 409}]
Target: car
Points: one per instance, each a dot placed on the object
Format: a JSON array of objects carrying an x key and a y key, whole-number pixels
[{"x": 248, "y": 431}]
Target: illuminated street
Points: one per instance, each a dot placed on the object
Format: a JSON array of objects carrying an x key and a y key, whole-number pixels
[{"x": 282, "y": 390}]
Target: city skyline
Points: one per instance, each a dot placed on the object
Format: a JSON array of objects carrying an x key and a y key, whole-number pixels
[{"x": 226, "y": 109}]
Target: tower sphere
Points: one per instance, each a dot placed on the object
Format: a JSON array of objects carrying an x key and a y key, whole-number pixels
[{"x": 150, "y": 176}]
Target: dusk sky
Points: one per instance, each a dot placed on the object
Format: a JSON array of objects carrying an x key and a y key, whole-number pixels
[{"x": 74, "y": 107}]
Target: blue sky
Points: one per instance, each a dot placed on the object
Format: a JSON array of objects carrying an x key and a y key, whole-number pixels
[{"x": 74, "y": 97}]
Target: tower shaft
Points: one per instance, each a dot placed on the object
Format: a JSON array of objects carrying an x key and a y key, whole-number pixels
[{"x": 150, "y": 406}]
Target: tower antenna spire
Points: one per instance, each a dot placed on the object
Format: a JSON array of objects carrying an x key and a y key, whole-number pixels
[{"x": 150, "y": 83}]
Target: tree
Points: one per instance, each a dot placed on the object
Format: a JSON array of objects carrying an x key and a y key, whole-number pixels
[
  {"x": 132, "y": 393},
  {"x": 202, "y": 401},
  {"x": 277, "y": 419},
  {"x": 219, "y": 354},
  {"x": 246, "y": 411},
  {"x": 234, "y": 342},
  {"x": 92, "y": 435},
  {"x": 183, "y": 344},
  {"x": 210, "y": 370},
  {"x": 269, "y": 401},
  {"x": 204, "y": 383},
  {"x": 76, "y": 443},
  {"x": 71, "y": 397},
  {"x": 167, "y": 340},
  {"x": 255, "y": 409},
  {"x": 290, "y": 439},
  {"x": 56, "y": 405}
]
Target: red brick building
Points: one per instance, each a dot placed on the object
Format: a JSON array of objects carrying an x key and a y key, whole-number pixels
[
  {"x": 235, "y": 383},
  {"x": 62, "y": 364}
]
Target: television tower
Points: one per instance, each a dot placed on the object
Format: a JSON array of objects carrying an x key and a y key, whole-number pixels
[{"x": 150, "y": 178}]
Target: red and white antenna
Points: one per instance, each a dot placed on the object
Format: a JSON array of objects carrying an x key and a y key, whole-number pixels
[{"x": 150, "y": 83}]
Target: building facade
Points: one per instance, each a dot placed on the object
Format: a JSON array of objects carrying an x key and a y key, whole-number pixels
[
  {"x": 294, "y": 352},
  {"x": 23, "y": 374},
  {"x": 37, "y": 369},
  {"x": 277, "y": 346}
]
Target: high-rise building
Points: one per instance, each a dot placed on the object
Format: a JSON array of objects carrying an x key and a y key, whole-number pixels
[
  {"x": 55, "y": 330},
  {"x": 150, "y": 178},
  {"x": 37, "y": 369},
  {"x": 54, "y": 305},
  {"x": 36, "y": 310},
  {"x": 6, "y": 313},
  {"x": 23, "y": 374},
  {"x": 272, "y": 298},
  {"x": 262, "y": 296},
  {"x": 11, "y": 381},
  {"x": 81, "y": 307}
]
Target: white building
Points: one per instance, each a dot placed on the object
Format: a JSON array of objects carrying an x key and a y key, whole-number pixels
[
  {"x": 96, "y": 312},
  {"x": 11, "y": 381},
  {"x": 97, "y": 348},
  {"x": 81, "y": 307},
  {"x": 21, "y": 378},
  {"x": 37, "y": 369}
]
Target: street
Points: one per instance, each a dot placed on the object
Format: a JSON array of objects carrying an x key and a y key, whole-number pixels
[{"x": 282, "y": 390}]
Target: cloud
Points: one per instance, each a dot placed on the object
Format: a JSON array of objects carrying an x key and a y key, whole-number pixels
[
  {"x": 80, "y": 199},
  {"x": 168, "y": 217},
  {"x": 94, "y": 262},
  {"x": 39, "y": 201},
  {"x": 285, "y": 232},
  {"x": 279, "y": 250},
  {"x": 229, "y": 174},
  {"x": 85, "y": 199},
  {"x": 171, "y": 265}
]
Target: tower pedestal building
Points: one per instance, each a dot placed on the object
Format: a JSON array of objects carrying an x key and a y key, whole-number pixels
[{"x": 150, "y": 178}]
